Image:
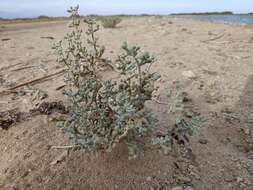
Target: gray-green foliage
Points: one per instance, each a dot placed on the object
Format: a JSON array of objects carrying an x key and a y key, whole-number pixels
[{"x": 105, "y": 112}]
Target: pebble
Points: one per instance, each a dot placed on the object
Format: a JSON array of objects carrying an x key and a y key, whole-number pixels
[
  {"x": 250, "y": 170},
  {"x": 60, "y": 158},
  {"x": 239, "y": 179},
  {"x": 196, "y": 176},
  {"x": 184, "y": 179},
  {"x": 229, "y": 178},
  {"x": 203, "y": 141},
  {"x": 189, "y": 188},
  {"x": 182, "y": 188},
  {"x": 177, "y": 188},
  {"x": 246, "y": 131},
  {"x": 149, "y": 178},
  {"x": 189, "y": 74}
]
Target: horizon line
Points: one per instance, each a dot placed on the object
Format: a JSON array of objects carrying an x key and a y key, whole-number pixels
[{"x": 127, "y": 14}]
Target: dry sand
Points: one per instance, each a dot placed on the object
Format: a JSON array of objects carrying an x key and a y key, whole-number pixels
[{"x": 212, "y": 62}]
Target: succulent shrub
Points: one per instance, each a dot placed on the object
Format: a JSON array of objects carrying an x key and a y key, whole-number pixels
[{"x": 106, "y": 112}]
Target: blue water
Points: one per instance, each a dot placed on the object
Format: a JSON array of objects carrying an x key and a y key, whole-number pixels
[{"x": 239, "y": 19}]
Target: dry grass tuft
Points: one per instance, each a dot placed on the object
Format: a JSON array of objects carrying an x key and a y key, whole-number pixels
[{"x": 109, "y": 21}]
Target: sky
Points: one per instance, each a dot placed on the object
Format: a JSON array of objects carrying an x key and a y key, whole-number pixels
[{"x": 33, "y": 8}]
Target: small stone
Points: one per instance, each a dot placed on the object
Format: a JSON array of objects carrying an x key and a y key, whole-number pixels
[
  {"x": 177, "y": 188},
  {"x": 184, "y": 179},
  {"x": 60, "y": 158},
  {"x": 239, "y": 179},
  {"x": 203, "y": 141},
  {"x": 11, "y": 187},
  {"x": 229, "y": 178},
  {"x": 250, "y": 170},
  {"x": 189, "y": 74},
  {"x": 195, "y": 175},
  {"x": 246, "y": 131},
  {"x": 188, "y": 188},
  {"x": 149, "y": 178}
]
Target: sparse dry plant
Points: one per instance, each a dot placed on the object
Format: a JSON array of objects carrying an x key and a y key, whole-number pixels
[{"x": 109, "y": 21}]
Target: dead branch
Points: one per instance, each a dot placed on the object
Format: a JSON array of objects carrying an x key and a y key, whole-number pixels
[
  {"x": 34, "y": 81},
  {"x": 22, "y": 68}
]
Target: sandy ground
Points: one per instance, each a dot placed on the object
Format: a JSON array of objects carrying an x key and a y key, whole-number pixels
[{"x": 212, "y": 63}]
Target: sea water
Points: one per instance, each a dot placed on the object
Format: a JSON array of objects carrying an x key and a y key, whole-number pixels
[{"x": 235, "y": 18}]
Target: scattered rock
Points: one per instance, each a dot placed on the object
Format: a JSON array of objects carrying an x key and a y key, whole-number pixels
[
  {"x": 11, "y": 187},
  {"x": 201, "y": 87},
  {"x": 239, "y": 180},
  {"x": 60, "y": 158},
  {"x": 186, "y": 97},
  {"x": 195, "y": 175},
  {"x": 49, "y": 107},
  {"x": 188, "y": 188},
  {"x": 149, "y": 178},
  {"x": 177, "y": 188},
  {"x": 250, "y": 170},
  {"x": 246, "y": 130},
  {"x": 203, "y": 141},
  {"x": 229, "y": 178},
  {"x": 182, "y": 188},
  {"x": 189, "y": 74},
  {"x": 30, "y": 47},
  {"x": 9, "y": 117},
  {"x": 183, "y": 179}
]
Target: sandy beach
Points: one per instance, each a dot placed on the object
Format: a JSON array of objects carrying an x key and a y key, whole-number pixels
[{"x": 211, "y": 62}]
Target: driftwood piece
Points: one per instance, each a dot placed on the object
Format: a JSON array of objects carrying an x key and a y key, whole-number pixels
[
  {"x": 213, "y": 39},
  {"x": 60, "y": 87},
  {"x": 34, "y": 81}
]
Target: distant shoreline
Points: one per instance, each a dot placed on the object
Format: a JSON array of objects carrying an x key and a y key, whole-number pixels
[
  {"x": 206, "y": 13},
  {"x": 44, "y": 17}
]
